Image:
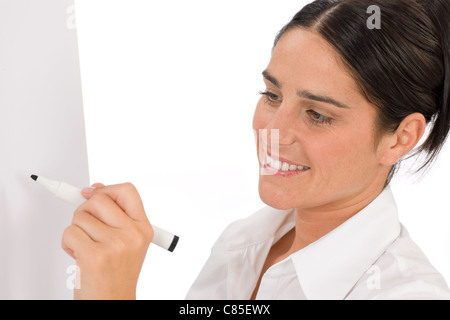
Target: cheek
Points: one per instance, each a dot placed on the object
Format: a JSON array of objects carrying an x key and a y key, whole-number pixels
[{"x": 344, "y": 157}]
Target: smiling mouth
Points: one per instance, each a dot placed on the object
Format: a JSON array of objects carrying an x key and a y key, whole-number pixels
[{"x": 281, "y": 167}]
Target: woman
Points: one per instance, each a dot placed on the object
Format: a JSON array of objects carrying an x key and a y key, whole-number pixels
[{"x": 347, "y": 103}]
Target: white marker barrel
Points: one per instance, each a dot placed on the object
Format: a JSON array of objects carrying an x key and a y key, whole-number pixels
[{"x": 71, "y": 194}]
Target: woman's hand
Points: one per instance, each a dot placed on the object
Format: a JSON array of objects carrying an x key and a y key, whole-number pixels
[{"x": 109, "y": 238}]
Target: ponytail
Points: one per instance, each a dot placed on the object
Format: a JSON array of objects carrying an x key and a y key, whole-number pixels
[{"x": 439, "y": 14}]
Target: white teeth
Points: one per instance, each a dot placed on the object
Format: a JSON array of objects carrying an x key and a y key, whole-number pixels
[
  {"x": 276, "y": 164},
  {"x": 284, "y": 166}
]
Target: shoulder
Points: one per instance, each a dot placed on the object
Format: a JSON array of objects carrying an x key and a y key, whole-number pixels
[{"x": 405, "y": 273}]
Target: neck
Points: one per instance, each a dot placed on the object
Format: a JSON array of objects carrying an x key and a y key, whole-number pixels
[{"x": 312, "y": 224}]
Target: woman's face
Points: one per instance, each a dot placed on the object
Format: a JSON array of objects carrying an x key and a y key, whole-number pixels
[{"x": 326, "y": 129}]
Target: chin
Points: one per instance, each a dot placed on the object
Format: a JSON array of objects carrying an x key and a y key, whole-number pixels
[{"x": 276, "y": 199}]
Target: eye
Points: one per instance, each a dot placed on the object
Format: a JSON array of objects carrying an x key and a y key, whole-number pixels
[
  {"x": 271, "y": 98},
  {"x": 318, "y": 119}
]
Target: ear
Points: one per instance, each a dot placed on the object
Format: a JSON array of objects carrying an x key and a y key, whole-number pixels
[{"x": 403, "y": 140}]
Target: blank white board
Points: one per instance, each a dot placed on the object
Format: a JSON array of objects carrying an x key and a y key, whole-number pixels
[{"x": 41, "y": 132}]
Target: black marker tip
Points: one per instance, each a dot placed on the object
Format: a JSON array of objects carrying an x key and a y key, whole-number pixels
[{"x": 34, "y": 177}]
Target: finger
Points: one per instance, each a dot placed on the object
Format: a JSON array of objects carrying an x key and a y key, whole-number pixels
[
  {"x": 127, "y": 198},
  {"x": 95, "y": 228},
  {"x": 87, "y": 192},
  {"x": 102, "y": 207},
  {"x": 98, "y": 185},
  {"x": 75, "y": 241}
]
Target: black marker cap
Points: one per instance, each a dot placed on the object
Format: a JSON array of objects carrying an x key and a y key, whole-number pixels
[{"x": 174, "y": 243}]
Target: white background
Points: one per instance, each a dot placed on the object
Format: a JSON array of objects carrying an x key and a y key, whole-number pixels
[{"x": 169, "y": 92}]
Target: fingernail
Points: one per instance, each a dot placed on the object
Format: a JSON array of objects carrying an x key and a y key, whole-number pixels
[{"x": 88, "y": 190}]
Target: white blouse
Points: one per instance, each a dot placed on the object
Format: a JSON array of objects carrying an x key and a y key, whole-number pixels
[{"x": 370, "y": 256}]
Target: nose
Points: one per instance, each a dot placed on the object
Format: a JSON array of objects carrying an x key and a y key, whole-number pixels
[
  {"x": 280, "y": 128},
  {"x": 278, "y": 132}
]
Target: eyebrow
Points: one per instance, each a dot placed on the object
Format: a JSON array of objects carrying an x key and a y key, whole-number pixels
[
  {"x": 306, "y": 94},
  {"x": 272, "y": 79}
]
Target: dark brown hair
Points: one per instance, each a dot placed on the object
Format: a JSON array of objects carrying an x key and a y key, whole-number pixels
[{"x": 402, "y": 68}]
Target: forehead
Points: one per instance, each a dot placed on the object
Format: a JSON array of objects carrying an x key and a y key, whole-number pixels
[{"x": 304, "y": 59}]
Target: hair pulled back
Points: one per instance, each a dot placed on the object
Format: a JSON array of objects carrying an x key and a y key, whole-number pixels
[{"x": 402, "y": 68}]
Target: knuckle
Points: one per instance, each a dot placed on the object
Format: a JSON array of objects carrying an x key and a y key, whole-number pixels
[
  {"x": 78, "y": 216},
  {"x": 81, "y": 207},
  {"x": 138, "y": 238},
  {"x": 70, "y": 231},
  {"x": 134, "y": 238},
  {"x": 139, "y": 241},
  {"x": 149, "y": 233},
  {"x": 129, "y": 187},
  {"x": 69, "y": 234}
]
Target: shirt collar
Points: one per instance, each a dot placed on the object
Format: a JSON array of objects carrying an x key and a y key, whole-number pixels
[
  {"x": 247, "y": 244},
  {"x": 331, "y": 266},
  {"x": 266, "y": 226}
]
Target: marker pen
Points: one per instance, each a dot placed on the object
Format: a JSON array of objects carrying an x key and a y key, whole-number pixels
[{"x": 71, "y": 194}]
